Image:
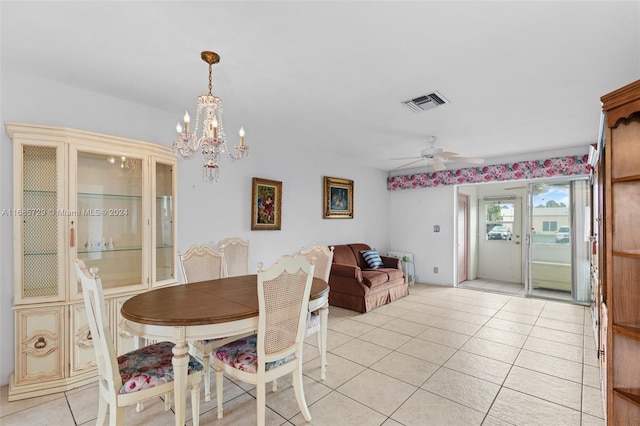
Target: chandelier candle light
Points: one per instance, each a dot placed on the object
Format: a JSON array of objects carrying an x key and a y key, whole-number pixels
[{"x": 213, "y": 141}]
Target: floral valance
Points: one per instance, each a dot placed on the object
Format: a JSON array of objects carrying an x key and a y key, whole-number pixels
[{"x": 558, "y": 166}]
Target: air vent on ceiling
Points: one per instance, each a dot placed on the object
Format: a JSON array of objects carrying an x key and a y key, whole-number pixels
[{"x": 425, "y": 102}]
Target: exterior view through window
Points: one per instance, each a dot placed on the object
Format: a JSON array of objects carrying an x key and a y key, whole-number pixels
[
  {"x": 550, "y": 230},
  {"x": 499, "y": 220}
]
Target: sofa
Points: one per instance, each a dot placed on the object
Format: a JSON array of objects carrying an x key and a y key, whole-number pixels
[{"x": 357, "y": 286}]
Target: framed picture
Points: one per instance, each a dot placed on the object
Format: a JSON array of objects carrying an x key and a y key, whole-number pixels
[
  {"x": 266, "y": 205},
  {"x": 338, "y": 198}
]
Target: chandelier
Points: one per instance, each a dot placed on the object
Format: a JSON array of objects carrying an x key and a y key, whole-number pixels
[{"x": 212, "y": 142}]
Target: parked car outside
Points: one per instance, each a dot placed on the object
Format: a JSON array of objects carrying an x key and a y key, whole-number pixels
[
  {"x": 499, "y": 233},
  {"x": 562, "y": 236}
]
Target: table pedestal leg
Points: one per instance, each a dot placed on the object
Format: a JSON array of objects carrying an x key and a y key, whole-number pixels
[
  {"x": 324, "y": 318},
  {"x": 180, "y": 363}
]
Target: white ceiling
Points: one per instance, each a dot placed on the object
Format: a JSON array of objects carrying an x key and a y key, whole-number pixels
[{"x": 520, "y": 76}]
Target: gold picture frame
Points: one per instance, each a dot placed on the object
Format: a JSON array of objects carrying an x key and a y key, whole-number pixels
[
  {"x": 338, "y": 198},
  {"x": 266, "y": 205}
]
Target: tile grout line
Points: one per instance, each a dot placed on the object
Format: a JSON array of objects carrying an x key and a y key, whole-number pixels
[{"x": 502, "y": 386}]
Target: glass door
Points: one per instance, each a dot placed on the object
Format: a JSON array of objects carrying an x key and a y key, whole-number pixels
[
  {"x": 558, "y": 266},
  {"x": 111, "y": 217},
  {"x": 164, "y": 234},
  {"x": 500, "y": 253},
  {"x": 40, "y": 218}
]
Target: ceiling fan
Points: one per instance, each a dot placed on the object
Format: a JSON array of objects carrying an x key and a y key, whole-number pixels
[
  {"x": 538, "y": 188},
  {"x": 437, "y": 157}
]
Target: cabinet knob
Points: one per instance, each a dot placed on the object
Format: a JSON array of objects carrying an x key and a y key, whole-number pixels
[
  {"x": 122, "y": 332},
  {"x": 40, "y": 343}
]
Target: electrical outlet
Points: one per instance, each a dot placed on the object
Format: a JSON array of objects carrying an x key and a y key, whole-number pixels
[{"x": 435, "y": 269}]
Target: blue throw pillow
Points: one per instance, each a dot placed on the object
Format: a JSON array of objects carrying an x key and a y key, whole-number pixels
[{"x": 372, "y": 258}]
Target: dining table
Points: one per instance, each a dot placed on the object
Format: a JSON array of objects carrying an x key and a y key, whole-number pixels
[{"x": 205, "y": 310}]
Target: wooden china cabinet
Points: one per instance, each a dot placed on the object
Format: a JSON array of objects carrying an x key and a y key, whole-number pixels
[
  {"x": 109, "y": 201},
  {"x": 620, "y": 318}
]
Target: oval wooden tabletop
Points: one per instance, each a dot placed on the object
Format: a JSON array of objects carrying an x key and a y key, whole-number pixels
[{"x": 205, "y": 302}]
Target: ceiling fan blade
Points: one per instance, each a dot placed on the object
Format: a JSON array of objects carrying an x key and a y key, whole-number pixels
[
  {"x": 406, "y": 158},
  {"x": 408, "y": 164},
  {"x": 467, "y": 160},
  {"x": 438, "y": 165},
  {"x": 537, "y": 188},
  {"x": 445, "y": 155},
  {"x": 540, "y": 188}
]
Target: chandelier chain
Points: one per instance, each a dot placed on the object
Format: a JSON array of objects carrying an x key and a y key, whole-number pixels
[{"x": 210, "y": 78}]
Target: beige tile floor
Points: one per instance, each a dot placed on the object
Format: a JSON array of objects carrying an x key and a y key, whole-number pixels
[
  {"x": 513, "y": 288},
  {"x": 441, "y": 356}
]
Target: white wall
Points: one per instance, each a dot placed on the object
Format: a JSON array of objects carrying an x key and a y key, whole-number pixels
[
  {"x": 414, "y": 213},
  {"x": 206, "y": 212}
]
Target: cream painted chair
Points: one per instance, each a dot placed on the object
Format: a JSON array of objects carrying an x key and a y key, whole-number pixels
[
  {"x": 236, "y": 256},
  {"x": 322, "y": 257},
  {"x": 283, "y": 304},
  {"x": 135, "y": 376},
  {"x": 202, "y": 263}
]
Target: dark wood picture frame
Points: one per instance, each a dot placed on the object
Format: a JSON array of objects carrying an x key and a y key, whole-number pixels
[
  {"x": 338, "y": 198},
  {"x": 266, "y": 205}
]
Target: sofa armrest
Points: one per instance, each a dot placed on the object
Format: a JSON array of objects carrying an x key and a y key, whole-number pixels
[
  {"x": 346, "y": 271},
  {"x": 391, "y": 262}
]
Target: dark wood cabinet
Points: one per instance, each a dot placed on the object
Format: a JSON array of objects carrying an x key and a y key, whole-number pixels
[{"x": 621, "y": 249}]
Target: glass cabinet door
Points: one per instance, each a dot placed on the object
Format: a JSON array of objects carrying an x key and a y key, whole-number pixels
[
  {"x": 111, "y": 218},
  {"x": 37, "y": 216},
  {"x": 164, "y": 224}
]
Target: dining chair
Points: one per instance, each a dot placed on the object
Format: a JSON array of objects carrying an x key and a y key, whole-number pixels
[
  {"x": 283, "y": 303},
  {"x": 236, "y": 256},
  {"x": 134, "y": 376},
  {"x": 322, "y": 257},
  {"x": 202, "y": 263}
]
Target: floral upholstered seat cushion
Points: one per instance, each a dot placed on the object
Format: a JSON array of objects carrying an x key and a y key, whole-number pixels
[
  {"x": 242, "y": 355},
  {"x": 314, "y": 321},
  {"x": 149, "y": 366}
]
